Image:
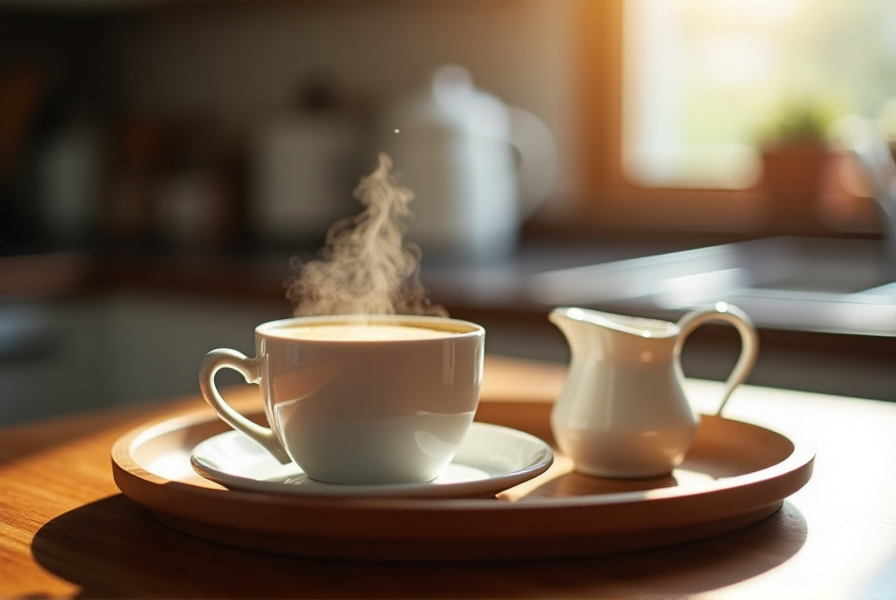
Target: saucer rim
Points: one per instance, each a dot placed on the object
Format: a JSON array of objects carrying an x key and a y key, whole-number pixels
[{"x": 492, "y": 485}]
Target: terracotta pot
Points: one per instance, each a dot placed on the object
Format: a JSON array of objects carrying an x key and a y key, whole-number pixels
[{"x": 794, "y": 176}]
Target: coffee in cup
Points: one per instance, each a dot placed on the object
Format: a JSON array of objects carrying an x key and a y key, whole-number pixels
[
  {"x": 363, "y": 332},
  {"x": 361, "y": 399}
]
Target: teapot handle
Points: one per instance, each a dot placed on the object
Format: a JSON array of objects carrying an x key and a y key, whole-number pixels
[
  {"x": 722, "y": 311},
  {"x": 537, "y": 158}
]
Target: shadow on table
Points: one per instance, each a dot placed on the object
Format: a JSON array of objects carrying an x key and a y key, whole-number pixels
[{"x": 103, "y": 548}]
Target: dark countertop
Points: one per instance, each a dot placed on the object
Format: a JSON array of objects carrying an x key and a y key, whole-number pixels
[
  {"x": 493, "y": 294},
  {"x": 498, "y": 284}
]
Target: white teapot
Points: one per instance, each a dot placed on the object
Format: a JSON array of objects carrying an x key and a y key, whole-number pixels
[{"x": 477, "y": 167}]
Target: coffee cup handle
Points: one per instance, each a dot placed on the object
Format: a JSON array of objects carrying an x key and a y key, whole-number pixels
[
  {"x": 722, "y": 311},
  {"x": 224, "y": 358}
]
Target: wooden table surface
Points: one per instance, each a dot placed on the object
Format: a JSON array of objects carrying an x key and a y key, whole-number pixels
[{"x": 66, "y": 530}]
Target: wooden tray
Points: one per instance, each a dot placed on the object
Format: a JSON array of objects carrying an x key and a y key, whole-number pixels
[{"x": 735, "y": 475}]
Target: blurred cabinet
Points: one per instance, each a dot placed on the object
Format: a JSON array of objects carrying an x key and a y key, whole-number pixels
[
  {"x": 65, "y": 355},
  {"x": 50, "y": 358}
]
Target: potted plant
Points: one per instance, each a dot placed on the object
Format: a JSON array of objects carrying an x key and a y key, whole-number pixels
[{"x": 796, "y": 156}]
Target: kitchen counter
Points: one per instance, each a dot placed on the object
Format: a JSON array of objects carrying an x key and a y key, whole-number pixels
[
  {"x": 496, "y": 295},
  {"x": 262, "y": 273},
  {"x": 68, "y": 531}
]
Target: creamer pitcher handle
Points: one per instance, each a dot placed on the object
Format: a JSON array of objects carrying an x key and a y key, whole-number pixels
[
  {"x": 224, "y": 358},
  {"x": 722, "y": 311}
]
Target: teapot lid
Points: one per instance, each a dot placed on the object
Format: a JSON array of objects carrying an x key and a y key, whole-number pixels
[{"x": 449, "y": 99}]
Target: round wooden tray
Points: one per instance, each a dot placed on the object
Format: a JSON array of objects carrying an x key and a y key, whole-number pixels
[{"x": 734, "y": 475}]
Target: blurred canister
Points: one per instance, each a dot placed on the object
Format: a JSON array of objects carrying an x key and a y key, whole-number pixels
[{"x": 304, "y": 168}]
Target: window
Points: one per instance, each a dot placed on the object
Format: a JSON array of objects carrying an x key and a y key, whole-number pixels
[{"x": 688, "y": 88}]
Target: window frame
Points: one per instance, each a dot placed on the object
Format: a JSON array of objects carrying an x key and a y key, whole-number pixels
[{"x": 608, "y": 199}]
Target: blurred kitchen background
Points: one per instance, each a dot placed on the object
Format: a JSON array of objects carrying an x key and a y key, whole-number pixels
[{"x": 161, "y": 163}]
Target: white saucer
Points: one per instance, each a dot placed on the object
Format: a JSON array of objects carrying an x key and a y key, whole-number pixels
[{"x": 491, "y": 459}]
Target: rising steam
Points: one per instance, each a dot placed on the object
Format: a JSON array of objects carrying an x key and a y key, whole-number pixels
[{"x": 365, "y": 267}]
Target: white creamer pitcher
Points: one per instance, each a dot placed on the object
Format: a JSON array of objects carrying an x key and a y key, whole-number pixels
[{"x": 622, "y": 411}]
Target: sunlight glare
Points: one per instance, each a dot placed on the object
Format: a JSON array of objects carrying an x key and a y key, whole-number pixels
[
  {"x": 734, "y": 61},
  {"x": 771, "y": 11}
]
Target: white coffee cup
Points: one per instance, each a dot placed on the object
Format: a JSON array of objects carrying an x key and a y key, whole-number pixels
[{"x": 360, "y": 399}]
